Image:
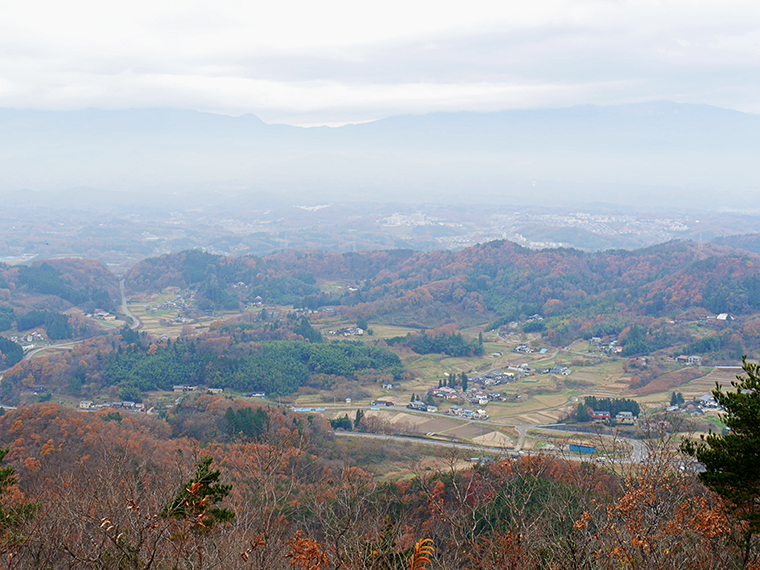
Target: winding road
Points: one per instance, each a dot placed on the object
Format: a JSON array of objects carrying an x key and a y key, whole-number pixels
[{"x": 136, "y": 324}]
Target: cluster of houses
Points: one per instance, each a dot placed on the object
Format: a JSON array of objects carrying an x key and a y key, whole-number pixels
[
  {"x": 178, "y": 304},
  {"x": 557, "y": 371},
  {"x": 185, "y": 388},
  {"x": 622, "y": 418},
  {"x": 132, "y": 406},
  {"x": 140, "y": 407},
  {"x": 348, "y": 331},
  {"x": 459, "y": 411},
  {"x": 691, "y": 360},
  {"x": 611, "y": 347},
  {"x": 507, "y": 334},
  {"x": 718, "y": 317},
  {"x": 473, "y": 395},
  {"x": 639, "y": 361},
  {"x": 523, "y": 371},
  {"x": 29, "y": 339},
  {"x": 697, "y": 407},
  {"x": 421, "y": 406},
  {"x": 101, "y": 315},
  {"x": 303, "y": 311},
  {"x": 493, "y": 379},
  {"x": 523, "y": 349},
  {"x": 446, "y": 393},
  {"x": 481, "y": 398}
]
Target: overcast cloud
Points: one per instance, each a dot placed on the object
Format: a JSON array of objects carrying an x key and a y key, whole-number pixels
[{"x": 332, "y": 62}]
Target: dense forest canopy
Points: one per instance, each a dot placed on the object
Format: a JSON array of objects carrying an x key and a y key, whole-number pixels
[
  {"x": 497, "y": 280},
  {"x": 275, "y": 361},
  {"x": 632, "y": 296},
  {"x": 39, "y": 295}
]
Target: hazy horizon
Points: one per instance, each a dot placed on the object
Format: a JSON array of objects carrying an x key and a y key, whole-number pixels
[
  {"x": 562, "y": 103},
  {"x": 337, "y": 63},
  {"x": 652, "y": 155}
]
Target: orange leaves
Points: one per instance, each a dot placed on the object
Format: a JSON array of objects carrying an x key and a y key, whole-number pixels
[
  {"x": 436, "y": 498},
  {"x": 707, "y": 521},
  {"x": 306, "y": 554},
  {"x": 32, "y": 464},
  {"x": 423, "y": 551},
  {"x": 47, "y": 448},
  {"x": 638, "y": 542},
  {"x": 501, "y": 551},
  {"x": 582, "y": 523},
  {"x": 258, "y": 542}
]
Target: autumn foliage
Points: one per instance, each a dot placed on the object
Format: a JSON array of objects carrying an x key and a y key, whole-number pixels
[{"x": 124, "y": 493}]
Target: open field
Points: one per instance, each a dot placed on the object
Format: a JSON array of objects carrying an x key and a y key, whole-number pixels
[
  {"x": 387, "y": 331},
  {"x": 159, "y": 322},
  {"x": 705, "y": 384},
  {"x": 543, "y": 399}
]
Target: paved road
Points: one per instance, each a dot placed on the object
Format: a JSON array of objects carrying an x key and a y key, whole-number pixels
[
  {"x": 454, "y": 445},
  {"x": 60, "y": 346},
  {"x": 420, "y": 440},
  {"x": 639, "y": 449},
  {"x": 136, "y": 324}
]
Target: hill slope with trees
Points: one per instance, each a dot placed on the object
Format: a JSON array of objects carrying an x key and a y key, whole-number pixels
[{"x": 490, "y": 281}]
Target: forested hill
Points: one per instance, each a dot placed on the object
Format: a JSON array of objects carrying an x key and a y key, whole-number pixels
[
  {"x": 73, "y": 281},
  {"x": 490, "y": 281},
  {"x": 747, "y": 242}
]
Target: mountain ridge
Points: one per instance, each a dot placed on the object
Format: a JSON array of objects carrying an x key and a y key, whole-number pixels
[{"x": 651, "y": 153}]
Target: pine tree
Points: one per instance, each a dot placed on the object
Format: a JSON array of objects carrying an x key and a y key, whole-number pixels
[
  {"x": 732, "y": 460},
  {"x": 10, "y": 516},
  {"x": 195, "y": 501}
]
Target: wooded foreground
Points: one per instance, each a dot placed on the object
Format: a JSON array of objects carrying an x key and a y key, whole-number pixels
[{"x": 102, "y": 490}]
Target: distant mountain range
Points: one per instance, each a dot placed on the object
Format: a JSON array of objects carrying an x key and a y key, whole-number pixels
[{"x": 654, "y": 154}]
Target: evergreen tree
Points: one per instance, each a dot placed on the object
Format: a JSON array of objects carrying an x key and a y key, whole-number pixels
[
  {"x": 195, "y": 501},
  {"x": 732, "y": 461},
  {"x": 358, "y": 419},
  {"x": 676, "y": 399},
  {"x": 10, "y": 516}
]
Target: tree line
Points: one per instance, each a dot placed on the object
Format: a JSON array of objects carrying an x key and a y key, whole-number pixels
[{"x": 96, "y": 491}]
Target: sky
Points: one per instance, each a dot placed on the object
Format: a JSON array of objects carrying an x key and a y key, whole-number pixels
[{"x": 333, "y": 62}]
